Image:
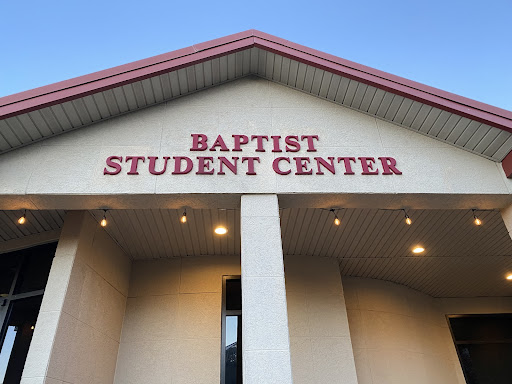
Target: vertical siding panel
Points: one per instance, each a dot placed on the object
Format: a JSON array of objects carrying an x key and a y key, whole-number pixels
[
  {"x": 199, "y": 75},
  {"x": 110, "y": 101},
  {"x": 29, "y": 125},
  {"x": 62, "y": 118},
  {"x": 158, "y": 91},
  {"x": 208, "y": 73},
  {"x": 246, "y": 62},
  {"x": 121, "y": 101},
  {"x": 324, "y": 86},
  {"x": 191, "y": 79},
  {"x": 231, "y": 68}
]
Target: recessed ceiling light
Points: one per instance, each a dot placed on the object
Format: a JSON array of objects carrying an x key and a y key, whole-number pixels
[
  {"x": 221, "y": 230},
  {"x": 418, "y": 249}
]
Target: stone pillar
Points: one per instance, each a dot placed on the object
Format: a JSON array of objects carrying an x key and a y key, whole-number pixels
[
  {"x": 77, "y": 332},
  {"x": 265, "y": 338}
]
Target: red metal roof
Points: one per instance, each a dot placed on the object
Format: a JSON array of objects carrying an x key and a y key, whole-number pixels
[
  {"x": 110, "y": 78},
  {"x": 79, "y": 87}
]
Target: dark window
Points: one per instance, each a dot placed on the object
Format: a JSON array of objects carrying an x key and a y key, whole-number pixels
[
  {"x": 23, "y": 276},
  {"x": 484, "y": 346},
  {"x": 231, "y": 354}
]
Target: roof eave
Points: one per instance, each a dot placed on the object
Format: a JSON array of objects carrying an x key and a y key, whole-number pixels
[{"x": 110, "y": 78}]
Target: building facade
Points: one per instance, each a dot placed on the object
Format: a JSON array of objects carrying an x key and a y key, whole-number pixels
[{"x": 251, "y": 209}]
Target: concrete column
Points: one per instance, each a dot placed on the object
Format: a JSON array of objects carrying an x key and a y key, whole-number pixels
[
  {"x": 265, "y": 338},
  {"x": 77, "y": 332}
]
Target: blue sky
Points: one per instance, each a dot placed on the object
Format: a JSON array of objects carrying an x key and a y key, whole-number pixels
[{"x": 464, "y": 47}]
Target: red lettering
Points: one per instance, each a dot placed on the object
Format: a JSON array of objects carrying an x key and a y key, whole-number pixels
[
  {"x": 199, "y": 142},
  {"x": 259, "y": 142},
  {"x": 219, "y": 142},
  {"x": 346, "y": 163},
  {"x": 232, "y": 166},
  {"x": 302, "y": 166},
  {"x": 275, "y": 165},
  {"x": 152, "y": 161},
  {"x": 240, "y": 140},
  {"x": 135, "y": 163},
  {"x": 111, "y": 164},
  {"x": 293, "y": 142},
  {"x": 325, "y": 164},
  {"x": 250, "y": 164},
  {"x": 276, "y": 140},
  {"x": 311, "y": 144},
  {"x": 204, "y": 166},
  {"x": 177, "y": 165},
  {"x": 367, "y": 165},
  {"x": 389, "y": 166}
]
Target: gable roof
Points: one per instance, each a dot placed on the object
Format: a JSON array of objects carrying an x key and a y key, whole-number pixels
[{"x": 43, "y": 112}]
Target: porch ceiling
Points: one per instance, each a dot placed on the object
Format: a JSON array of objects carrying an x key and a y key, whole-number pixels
[{"x": 460, "y": 260}]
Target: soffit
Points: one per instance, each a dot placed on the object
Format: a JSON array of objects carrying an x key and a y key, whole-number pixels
[
  {"x": 461, "y": 259},
  {"x": 457, "y": 129},
  {"x": 37, "y": 222}
]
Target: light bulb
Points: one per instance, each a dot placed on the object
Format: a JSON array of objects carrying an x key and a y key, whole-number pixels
[
  {"x": 337, "y": 221},
  {"x": 478, "y": 221},
  {"x": 221, "y": 230},
  {"x": 418, "y": 249},
  {"x": 103, "y": 222},
  {"x": 32, "y": 327},
  {"x": 184, "y": 218},
  {"x": 22, "y": 219},
  {"x": 509, "y": 277},
  {"x": 408, "y": 220}
]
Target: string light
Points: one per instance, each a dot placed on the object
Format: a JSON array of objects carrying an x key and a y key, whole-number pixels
[
  {"x": 408, "y": 220},
  {"x": 477, "y": 221},
  {"x": 184, "y": 217},
  {"x": 23, "y": 218},
  {"x": 103, "y": 221},
  {"x": 337, "y": 221}
]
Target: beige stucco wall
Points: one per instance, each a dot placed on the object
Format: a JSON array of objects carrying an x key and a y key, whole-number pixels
[
  {"x": 73, "y": 163},
  {"x": 172, "y": 325},
  {"x": 78, "y": 329},
  {"x": 401, "y": 336},
  {"x": 320, "y": 345}
]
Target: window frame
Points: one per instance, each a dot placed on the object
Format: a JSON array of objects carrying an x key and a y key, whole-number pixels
[
  {"x": 6, "y": 302},
  {"x": 224, "y": 314},
  {"x": 456, "y": 342}
]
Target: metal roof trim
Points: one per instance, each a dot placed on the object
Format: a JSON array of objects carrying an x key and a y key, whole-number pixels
[{"x": 71, "y": 89}]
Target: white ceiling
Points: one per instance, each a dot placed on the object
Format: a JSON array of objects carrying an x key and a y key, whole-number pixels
[{"x": 461, "y": 259}]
